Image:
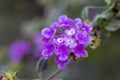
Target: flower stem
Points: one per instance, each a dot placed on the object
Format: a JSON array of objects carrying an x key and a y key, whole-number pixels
[{"x": 54, "y": 74}]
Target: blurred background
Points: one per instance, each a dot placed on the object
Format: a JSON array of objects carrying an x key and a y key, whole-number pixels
[{"x": 20, "y": 24}]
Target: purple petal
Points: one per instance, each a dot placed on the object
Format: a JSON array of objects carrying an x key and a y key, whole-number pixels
[
  {"x": 45, "y": 32},
  {"x": 62, "y": 49},
  {"x": 80, "y": 51},
  {"x": 82, "y": 37},
  {"x": 73, "y": 45},
  {"x": 63, "y": 57},
  {"x": 57, "y": 60},
  {"x": 86, "y": 27},
  {"x": 84, "y": 54},
  {"x": 77, "y": 21},
  {"x": 62, "y": 18},
  {"x": 48, "y": 33},
  {"x": 62, "y": 65},
  {"x": 46, "y": 40},
  {"x": 50, "y": 46},
  {"x": 47, "y": 53},
  {"x": 88, "y": 39}
]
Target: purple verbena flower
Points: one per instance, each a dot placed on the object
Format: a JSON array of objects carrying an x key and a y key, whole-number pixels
[
  {"x": 63, "y": 21},
  {"x": 66, "y": 36}
]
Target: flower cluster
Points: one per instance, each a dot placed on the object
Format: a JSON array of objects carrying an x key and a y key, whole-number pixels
[{"x": 64, "y": 37}]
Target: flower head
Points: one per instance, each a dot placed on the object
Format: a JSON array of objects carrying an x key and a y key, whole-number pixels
[{"x": 66, "y": 36}]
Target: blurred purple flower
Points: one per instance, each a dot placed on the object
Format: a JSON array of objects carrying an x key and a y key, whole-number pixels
[
  {"x": 66, "y": 35},
  {"x": 37, "y": 52},
  {"x": 37, "y": 39},
  {"x": 18, "y": 49}
]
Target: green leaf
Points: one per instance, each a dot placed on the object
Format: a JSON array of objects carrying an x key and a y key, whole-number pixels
[
  {"x": 108, "y": 2},
  {"x": 10, "y": 75},
  {"x": 85, "y": 13},
  {"x": 113, "y": 25}
]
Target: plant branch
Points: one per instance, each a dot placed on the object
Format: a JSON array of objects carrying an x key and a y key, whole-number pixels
[
  {"x": 54, "y": 74},
  {"x": 97, "y": 7}
]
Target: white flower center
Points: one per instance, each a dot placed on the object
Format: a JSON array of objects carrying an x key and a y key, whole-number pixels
[
  {"x": 60, "y": 40},
  {"x": 69, "y": 41},
  {"x": 71, "y": 32}
]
